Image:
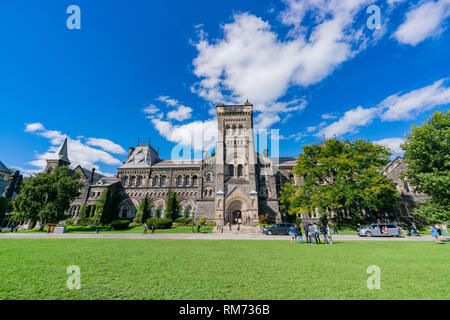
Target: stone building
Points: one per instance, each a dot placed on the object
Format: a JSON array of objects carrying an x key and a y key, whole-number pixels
[
  {"x": 409, "y": 196},
  {"x": 9, "y": 182},
  {"x": 234, "y": 184}
]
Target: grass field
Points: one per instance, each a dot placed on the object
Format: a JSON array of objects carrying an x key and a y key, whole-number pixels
[
  {"x": 221, "y": 269},
  {"x": 137, "y": 229}
]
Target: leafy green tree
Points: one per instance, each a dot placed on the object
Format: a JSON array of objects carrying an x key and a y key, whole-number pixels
[
  {"x": 341, "y": 177},
  {"x": 143, "y": 211},
  {"x": 427, "y": 156},
  {"x": 172, "y": 205},
  {"x": 101, "y": 205},
  {"x": 46, "y": 196},
  {"x": 4, "y": 205}
]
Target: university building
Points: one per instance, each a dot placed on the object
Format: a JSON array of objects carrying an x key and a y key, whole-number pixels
[{"x": 233, "y": 183}]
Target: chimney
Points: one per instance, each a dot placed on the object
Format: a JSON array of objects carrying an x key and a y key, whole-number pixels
[
  {"x": 91, "y": 180},
  {"x": 130, "y": 151},
  {"x": 266, "y": 153}
]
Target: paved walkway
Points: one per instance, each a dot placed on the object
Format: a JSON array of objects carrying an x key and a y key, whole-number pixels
[{"x": 192, "y": 236}]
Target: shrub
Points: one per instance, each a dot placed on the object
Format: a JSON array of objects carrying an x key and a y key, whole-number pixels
[
  {"x": 263, "y": 218},
  {"x": 69, "y": 222},
  {"x": 162, "y": 223},
  {"x": 202, "y": 221},
  {"x": 181, "y": 220},
  {"x": 120, "y": 224}
]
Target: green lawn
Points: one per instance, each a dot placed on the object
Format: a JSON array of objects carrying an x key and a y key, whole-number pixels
[
  {"x": 138, "y": 229},
  {"x": 221, "y": 269}
]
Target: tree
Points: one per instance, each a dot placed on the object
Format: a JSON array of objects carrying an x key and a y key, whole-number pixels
[
  {"x": 46, "y": 196},
  {"x": 427, "y": 158},
  {"x": 172, "y": 205},
  {"x": 143, "y": 211},
  {"x": 341, "y": 177},
  {"x": 4, "y": 205}
]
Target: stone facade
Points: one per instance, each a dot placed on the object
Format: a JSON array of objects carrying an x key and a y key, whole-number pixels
[{"x": 234, "y": 184}]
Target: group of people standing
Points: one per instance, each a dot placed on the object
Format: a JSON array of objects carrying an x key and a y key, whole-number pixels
[{"x": 312, "y": 233}]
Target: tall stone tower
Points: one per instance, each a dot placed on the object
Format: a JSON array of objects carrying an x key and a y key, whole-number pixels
[
  {"x": 60, "y": 160},
  {"x": 236, "y": 185}
]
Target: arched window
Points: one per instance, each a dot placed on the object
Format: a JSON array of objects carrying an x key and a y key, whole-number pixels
[
  {"x": 208, "y": 177},
  {"x": 132, "y": 179},
  {"x": 188, "y": 211},
  {"x": 186, "y": 180},
  {"x": 139, "y": 181},
  {"x": 180, "y": 211},
  {"x": 240, "y": 170},
  {"x": 152, "y": 211},
  {"x": 179, "y": 180},
  {"x": 163, "y": 181},
  {"x": 155, "y": 181},
  {"x": 291, "y": 178},
  {"x": 210, "y": 192},
  {"x": 194, "y": 180},
  {"x": 206, "y": 192},
  {"x": 124, "y": 181},
  {"x": 231, "y": 170}
]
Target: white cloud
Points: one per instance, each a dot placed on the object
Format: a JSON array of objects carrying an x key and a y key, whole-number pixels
[
  {"x": 253, "y": 62},
  {"x": 393, "y": 144},
  {"x": 350, "y": 122},
  {"x": 106, "y": 145},
  {"x": 168, "y": 100},
  {"x": 394, "y": 108},
  {"x": 180, "y": 114},
  {"x": 151, "y": 109},
  {"x": 423, "y": 21},
  {"x": 329, "y": 116},
  {"x": 32, "y": 127},
  {"x": 79, "y": 153},
  {"x": 197, "y": 135},
  {"x": 406, "y": 106}
]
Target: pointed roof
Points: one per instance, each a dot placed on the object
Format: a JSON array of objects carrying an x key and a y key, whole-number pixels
[
  {"x": 3, "y": 168},
  {"x": 62, "y": 152}
]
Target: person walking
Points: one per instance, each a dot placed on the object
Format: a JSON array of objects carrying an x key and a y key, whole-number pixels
[
  {"x": 153, "y": 227},
  {"x": 305, "y": 227},
  {"x": 335, "y": 229},
  {"x": 316, "y": 233},
  {"x": 434, "y": 234},
  {"x": 438, "y": 229},
  {"x": 329, "y": 234},
  {"x": 145, "y": 228},
  {"x": 229, "y": 226},
  {"x": 292, "y": 233},
  {"x": 298, "y": 230},
  {"x": 414, "y": 230},
  {"x": 323, "y": 232},
  {"x": 312, "y": 234},
  {"x": 198, "y": 227}
]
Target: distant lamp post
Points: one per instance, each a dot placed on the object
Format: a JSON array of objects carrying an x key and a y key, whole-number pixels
[{"x": 193, "y": 218}]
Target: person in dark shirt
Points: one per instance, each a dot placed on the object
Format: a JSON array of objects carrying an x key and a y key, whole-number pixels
[
  {"x": 306, "y": 227},
  {"x": 323, "y": 231},
  {"x": 298, "y": 231}
]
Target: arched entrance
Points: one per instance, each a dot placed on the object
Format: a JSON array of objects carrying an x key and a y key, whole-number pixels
[{"x": 235, "y": 212}]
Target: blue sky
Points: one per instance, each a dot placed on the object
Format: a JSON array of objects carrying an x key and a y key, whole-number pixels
[{"x": 154, "y": 70}]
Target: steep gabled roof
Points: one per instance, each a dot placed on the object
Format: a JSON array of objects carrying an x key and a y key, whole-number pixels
[
  {"x": 3, "y": 168},
  {"x": 62, "y": 152}
]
